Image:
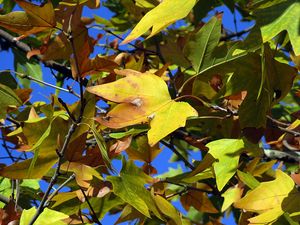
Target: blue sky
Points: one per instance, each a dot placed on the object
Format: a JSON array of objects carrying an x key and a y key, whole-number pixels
[{"x": 42, "y": 93}]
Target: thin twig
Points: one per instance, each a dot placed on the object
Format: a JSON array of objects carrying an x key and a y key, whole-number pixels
[
  {"x": 72, "y": 129},
  {"x": 13, "y": 42},
  {"x": 24, "y": 76},
  {"x": 59, "y": 188},
  {"x": 93, "y": 213},
  {"x": 278, "y": 122},
  {"x": 236, "y": 34},
  {"x": 180, "y": 156},
  {"x": 177, "y": 193},
  {"x": 54, "y": 178},
  {"x": 132, "y": 45},
  {"x": 67, "y": 109}
]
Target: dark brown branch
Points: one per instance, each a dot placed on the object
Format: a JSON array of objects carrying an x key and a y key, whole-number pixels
[
  {"x": 236, "y": 34},
  {"x": 187, "y": 187},
  {"x": 180, "y": 156},
  {"x": 93, "y": 213},
  {"x": 59, "y": 188},
  {"x": 71, "y": 131},
  {"x": 53, "y": 181},
  {"x": 280, "y": 123},
  {"x": 13, "y": 42}
]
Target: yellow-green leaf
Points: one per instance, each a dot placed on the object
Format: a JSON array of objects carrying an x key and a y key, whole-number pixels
[
  {"x": 166, "y": 13},
  {"x": 168, "y": 209},
  {"x": 47, "y": 217},
  {"x": 129, "y": 186},
  {"x": 7, "y": 98},
  {"x": 227, "y": 153},
  {"x": 281, "y": 17},
  {"x": 230, "y": 196},
  {"x": 267, "y": 199},
  {"x": 144, "y": 98}
]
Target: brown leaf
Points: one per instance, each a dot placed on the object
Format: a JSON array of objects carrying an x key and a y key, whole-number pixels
[
  {"x": 198, "y": 200},
  {"x": 120, "y": 145},
  {"x": 296, "y": 178},
  {"x": 91, "y": 66},
  {"x": 9, "y": 215},
  {"x": 23, "y": 94},
  {"x": 149, "y": 169},
  {"x": 35, "y": 18}
]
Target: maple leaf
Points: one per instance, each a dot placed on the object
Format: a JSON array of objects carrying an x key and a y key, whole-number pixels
[
  {"x": 272, "y": 20},
  {"x": 35, "y": 18},
  {"x": 144, "y": 98},
  {"x": 166, "y": 13},
  {"x": 271, "y": 199}
]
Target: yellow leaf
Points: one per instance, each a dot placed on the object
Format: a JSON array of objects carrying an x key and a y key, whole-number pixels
[
  {"x": 230, "y": 196},
  {"x": 167, "y": 209},
  {"x": 268, "y": 198},
  {"x": 35, "y": 18},
  {"x": 166, "y": 13},
  {"x": 144, "y": 98}
]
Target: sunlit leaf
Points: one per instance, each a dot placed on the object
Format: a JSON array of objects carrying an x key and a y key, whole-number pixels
[
  {"x": 169, "y": 10},
  {"x": 47, "y": 217},
  {"x": 268, "y": 198},
  {"x": 230, "y": 196},
  {"x": 281, "y": 17},
  {"x": 227, "y": 153},
  {"x": 130, "y": 188},
  {"x": 144, "y": 98}
]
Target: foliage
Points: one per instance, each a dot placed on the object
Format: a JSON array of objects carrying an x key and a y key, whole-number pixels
[{"x": 225, "y": 103}]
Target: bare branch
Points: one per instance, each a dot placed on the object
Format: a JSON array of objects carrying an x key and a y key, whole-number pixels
[
  {"x": 93, "y": 213},
  {"x": 180, "y": 156},
  {"x": 13, "y": 42}
]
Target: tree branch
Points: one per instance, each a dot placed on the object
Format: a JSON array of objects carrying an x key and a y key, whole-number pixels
[
  {"x": 180, "y": 156},
  {"x": 93, "y": 213},
  {"x": 236, "y": 34},
  {"x": 13, "y": 42}
]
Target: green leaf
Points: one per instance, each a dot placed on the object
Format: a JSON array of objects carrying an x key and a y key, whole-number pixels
[
  {"x": 227, "y": 153},
  {"x": 102, "y": 146},
  {"x": 132, "y": 131},
  {"x": 103, "y": 205},
  {"x": 129, "y": 186},
  {"x": 281, "y": 17},
  {"x": 201, "y": 45},
  {"x": 28, "y": 67},
  {"x": 248, "y": 179},
  {"x": 7, "y": 98},
  {"x": 47, "y": 156},
  {"x": 167, "y": 209},
  {"x": 247, "y": 76},
  {"x": 166, "y": 13},
  {"x": 5, "y": 189},
  {"x": 47, "y": 217},
  {"x": 8, "y": 80}
]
